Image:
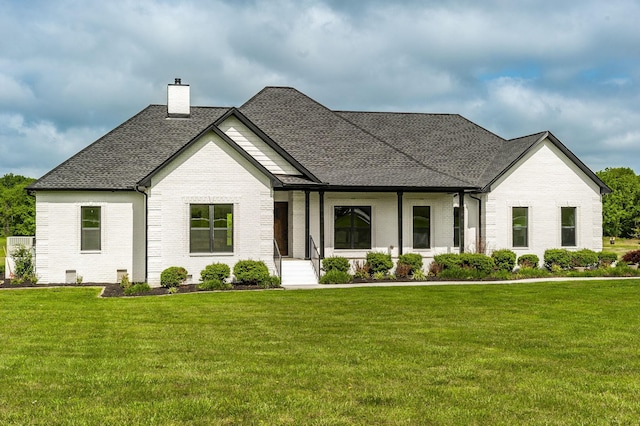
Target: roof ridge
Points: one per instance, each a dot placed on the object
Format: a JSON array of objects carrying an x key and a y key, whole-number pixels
[{"x": 403, "y": 152}]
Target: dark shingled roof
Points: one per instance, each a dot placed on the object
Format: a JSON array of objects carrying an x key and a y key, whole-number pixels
[
  {"x": 343, "y": 149},
  {"x": 123, "y": 157}
]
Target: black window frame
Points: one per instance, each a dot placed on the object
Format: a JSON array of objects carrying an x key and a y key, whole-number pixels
[
  {"x": 420, "y": 232},
  {"x": 568, "y": 234},
  {"x": 352, "y": 230},
  {"x": 516, "y": 228},
  {"x": 456, "y": 226},
  {"x": 86, "y": 230},
  {"x": 212, "y": 230}
]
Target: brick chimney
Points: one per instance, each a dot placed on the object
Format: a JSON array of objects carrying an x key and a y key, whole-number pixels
[{"x": 178, "y": 100}]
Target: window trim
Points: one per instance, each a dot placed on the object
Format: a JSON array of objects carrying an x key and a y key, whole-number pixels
[
  {"x": 429, "y": 229},
  {"x": 352, "y": 227},
  {"x": 526, "y": 227},
  {"x": 211, "y": 229},
  {"x": 97, "y": 229}
]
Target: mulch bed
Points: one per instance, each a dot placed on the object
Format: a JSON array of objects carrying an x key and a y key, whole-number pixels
[{"x": 114, "y": 290}]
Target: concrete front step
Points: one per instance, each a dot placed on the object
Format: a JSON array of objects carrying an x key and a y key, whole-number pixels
[{"x": 298, "y": 272}]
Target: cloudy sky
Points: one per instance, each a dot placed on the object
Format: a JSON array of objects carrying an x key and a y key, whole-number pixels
[{"x": 70, "y": 71}]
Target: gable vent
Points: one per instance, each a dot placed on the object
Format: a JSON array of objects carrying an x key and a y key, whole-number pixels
[{"x": 178, "y": 100}]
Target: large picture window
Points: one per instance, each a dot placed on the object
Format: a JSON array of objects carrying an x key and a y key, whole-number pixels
[
  {"x": 352, "y": 227},
  {"x": 421, "y": 227},
  {"x": 568, "y": 226},
  {"x": 90, "y": 228},
  {"x": 520, "y": 226},
  {"x": 211, "y": 228}
]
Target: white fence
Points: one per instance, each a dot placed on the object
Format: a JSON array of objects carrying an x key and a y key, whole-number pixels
[{"x": 12, "y": 244}]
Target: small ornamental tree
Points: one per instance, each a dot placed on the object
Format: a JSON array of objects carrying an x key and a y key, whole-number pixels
[{"x": 632, "y": 256}]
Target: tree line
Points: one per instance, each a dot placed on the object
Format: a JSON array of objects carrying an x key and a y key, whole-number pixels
[
  {"x": 620, "y": 209},
  {"x": 17, "y": 207}
]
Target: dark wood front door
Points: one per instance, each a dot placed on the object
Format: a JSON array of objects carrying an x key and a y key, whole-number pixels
[{"x": 281, "y": 226}]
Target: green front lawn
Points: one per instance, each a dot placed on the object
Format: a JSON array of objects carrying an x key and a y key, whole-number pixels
[{"x": 550, "y": 353}]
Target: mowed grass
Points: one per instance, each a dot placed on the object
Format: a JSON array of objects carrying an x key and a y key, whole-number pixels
[
  {"x": 548, "y": 353},
  {"x": 621, "y": 246}
]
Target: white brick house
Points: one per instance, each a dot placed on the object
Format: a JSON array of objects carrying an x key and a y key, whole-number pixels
[{"x": 177, "y": 185}]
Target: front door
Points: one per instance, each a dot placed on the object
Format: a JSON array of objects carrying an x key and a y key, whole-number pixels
[{"x": 281, "y": 226}]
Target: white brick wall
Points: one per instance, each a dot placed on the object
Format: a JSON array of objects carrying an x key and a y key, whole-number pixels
[
  {"x": 544, "y": 182},
  {"x": 208, "y": 172},
  {"x": 58, "y": 236}
]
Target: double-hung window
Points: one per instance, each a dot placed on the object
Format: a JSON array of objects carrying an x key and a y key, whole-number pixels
[
  {"x": 211, "y": 228},
  {"x": 90, "y": 228},
  {"x": 352, "y": 227},
  {"x": 421, "y": 227},
  {"x": 520, "y": 226},
  {"x": 568, "y": 226}
]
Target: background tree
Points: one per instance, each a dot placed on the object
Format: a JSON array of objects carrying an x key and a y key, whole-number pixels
[
  {"x": 621, "y": 208},
  {"x": 17, "y": 207}
]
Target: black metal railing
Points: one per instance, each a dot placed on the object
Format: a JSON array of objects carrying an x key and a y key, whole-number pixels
[
  {"x": 315, "y": 256},
  {"x": 277, "y": 258}
]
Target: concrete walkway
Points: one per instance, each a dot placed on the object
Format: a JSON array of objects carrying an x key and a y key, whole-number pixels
[{"x": 436, "y": 283}]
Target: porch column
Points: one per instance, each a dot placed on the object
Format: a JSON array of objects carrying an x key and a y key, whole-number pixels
[
  {"x": 400, "y": 243},
  {"x": 306, "y": 225},
  {"x": 321, "y": 194},
  {"x": 461, "y": 219}
]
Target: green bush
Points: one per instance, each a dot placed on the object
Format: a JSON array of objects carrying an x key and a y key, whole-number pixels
[
  {"x": 337, "y": 263},
  {"x": 557, "y": 259},
  {"x": 125, "y": 283},
  {"x": 419, "y": 275},
  {"x": 478, "y": 261},
  {"x": 584, "y": 258},
  {"x": 412, "y": 259},
  {"x": 528, "y": 272},
  {"x": 215, "y": 271},
  {"x": 379, "y": 262},
  {"x": 461, "y": 274},
  {"x": 505, "y": 260},
  {"x": 531, "y": 261},
  {"x": 24, "y": 267},
  {"x": 251, "y": 272},
  {"x": 2, "y": 268},
  {"x": 272, "y": 282},
  {"x": 335, "y": 276},
  {"x": 447, "y": 261},
  {"x": 606, "y": 258},
  {"x": 214, "y": 284},
  {"x": 173, "y": 276},
  {"x": 632, "y": 256},
  {"x": 138, "y": 288},
  {"x": 361, "y": 270}
]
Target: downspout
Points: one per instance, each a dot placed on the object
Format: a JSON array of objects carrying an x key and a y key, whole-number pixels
[
  {"x": 400, "y": 242},
  {"x": 146, "y": 242},
  {"x": 307, "y": 254},
  {"x": 479, "y": 237},
  {"x": 321, "y": 194},
  {"x": 461, "y": 219}
]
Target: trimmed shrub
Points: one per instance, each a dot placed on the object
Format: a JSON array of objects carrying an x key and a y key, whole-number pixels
[
  {"x": 584, "y": 258},
  {"x": 527, "y": 272},
  {"x": 335, "y": 276},
  {"x": 606, "y": 258},
  {"x": 272, "y": 282},
  {"x": 446, "y": 261},
  {"x": 214, "y": 284},
  {"x": 251, "y": 272},
  {"x": 505, "y": 260},
  {"x": 412, "y": 259},
  {"x": 531, "y": 261},
  {"x": 24, "y": 267},
  {"x": 631, "y": 256},
  {"x": 215, "y": 271},
  {"x": 478, "y": 261},
  {"x": 403, "y": 270},
  {"x": 138, "y": 288},
  {"x": 173, "y": 276},
  {"x": 557, "y": 259},
  {"x": 379, "y": 262},
  {"x": 337, "y": 263},
  {"x": 125, "y": 283}
]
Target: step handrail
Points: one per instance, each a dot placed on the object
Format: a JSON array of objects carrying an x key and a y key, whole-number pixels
[{"x": 315, "y": 256}]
